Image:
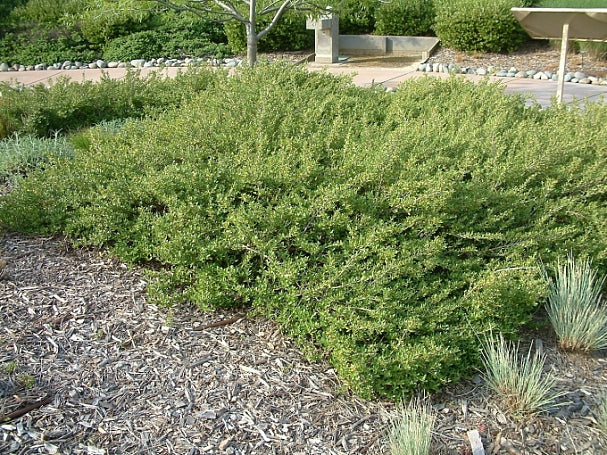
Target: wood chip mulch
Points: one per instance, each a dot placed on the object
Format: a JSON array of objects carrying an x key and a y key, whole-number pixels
[{"x": 87, "y": 366}]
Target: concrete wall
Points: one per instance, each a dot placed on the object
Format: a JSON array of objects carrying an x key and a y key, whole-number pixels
[{"x": 381, "y": 45}]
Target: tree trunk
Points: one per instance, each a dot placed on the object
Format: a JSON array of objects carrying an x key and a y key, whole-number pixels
[
  {"x": 251, "y": 48},
  {"x": 252, "y": 37}
]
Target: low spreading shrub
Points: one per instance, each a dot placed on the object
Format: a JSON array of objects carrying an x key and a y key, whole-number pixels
[
  {"x": 405, "y": 17},
  {"x": 575, "y": 306},
  {"x": 382, "y": 231},
  {"x": 486, "y": 26},
  {"x": 68, "y": 106}
]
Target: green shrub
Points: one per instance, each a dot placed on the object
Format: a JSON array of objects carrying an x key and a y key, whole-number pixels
[
  {"x": 575, "y": 307},
  {"x": 405, "y": 18},
  {"x": 382, "y": 231},
  {"x": 487, "y": 26},
  {"x": 179, "y": 39},
  {"x": 68, "y": 106},
  {"x": 411, "y": 432},
  {"x": 146, "y": 44},
  {"x": 357, "y": 17},
  {"x": 290, "y": 34},
  {"x": 24, "y": 50}
]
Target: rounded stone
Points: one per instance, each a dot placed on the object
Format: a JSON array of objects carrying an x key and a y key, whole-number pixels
[{"x": 138, "y": 62}]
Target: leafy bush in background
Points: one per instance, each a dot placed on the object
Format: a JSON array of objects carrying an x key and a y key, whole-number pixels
[
  {"x": 487, "y": 26},
  {"x": 37, "y": 31},
  {"x": 357, "y": 17},
  {"x": 146, "y": 44},
  {"x": 405, "y": 17},
  {"x": 383, "y": 231},
  {"x": 173, "y": 35},
  {"x": 289, "y": 34}
]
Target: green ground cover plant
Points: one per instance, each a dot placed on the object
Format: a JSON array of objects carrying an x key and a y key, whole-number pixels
[
  {"x": 67, "y": 106},
  {"x": 385, "y": 232}
]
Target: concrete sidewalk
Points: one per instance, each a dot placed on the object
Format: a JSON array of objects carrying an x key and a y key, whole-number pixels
[{"x": 537, "y": 90}]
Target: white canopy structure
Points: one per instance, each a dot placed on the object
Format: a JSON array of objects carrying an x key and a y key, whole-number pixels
[{"x": 580, "y": 24}]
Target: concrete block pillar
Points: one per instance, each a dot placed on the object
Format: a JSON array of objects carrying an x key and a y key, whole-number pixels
[{"x": 326, "y": 38}]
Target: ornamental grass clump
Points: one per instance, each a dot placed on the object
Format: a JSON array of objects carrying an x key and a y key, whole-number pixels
[
  {"x": 411, "y": 433},
  {"x": 575, "y": 306},
  {"x": 518, "y": 382}
]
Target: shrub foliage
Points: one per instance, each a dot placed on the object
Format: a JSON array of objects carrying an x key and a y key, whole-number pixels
[
  {"x": 68, "y": 106},
  {"x": 383, "y": 231},
  {"x": 405, "y": 17},
  {"x": 487, "y": 26}
]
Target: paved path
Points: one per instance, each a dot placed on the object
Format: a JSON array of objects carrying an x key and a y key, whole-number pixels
[{"x": 541, "y": 91}]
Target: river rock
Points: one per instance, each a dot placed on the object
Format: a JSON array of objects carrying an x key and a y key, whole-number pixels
[
  {"x": 138, "y": 62},
  {"x": 3, "y": 67}
]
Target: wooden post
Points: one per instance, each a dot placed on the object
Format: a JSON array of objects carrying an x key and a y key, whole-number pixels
[{"x": 564, "y": 50}]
